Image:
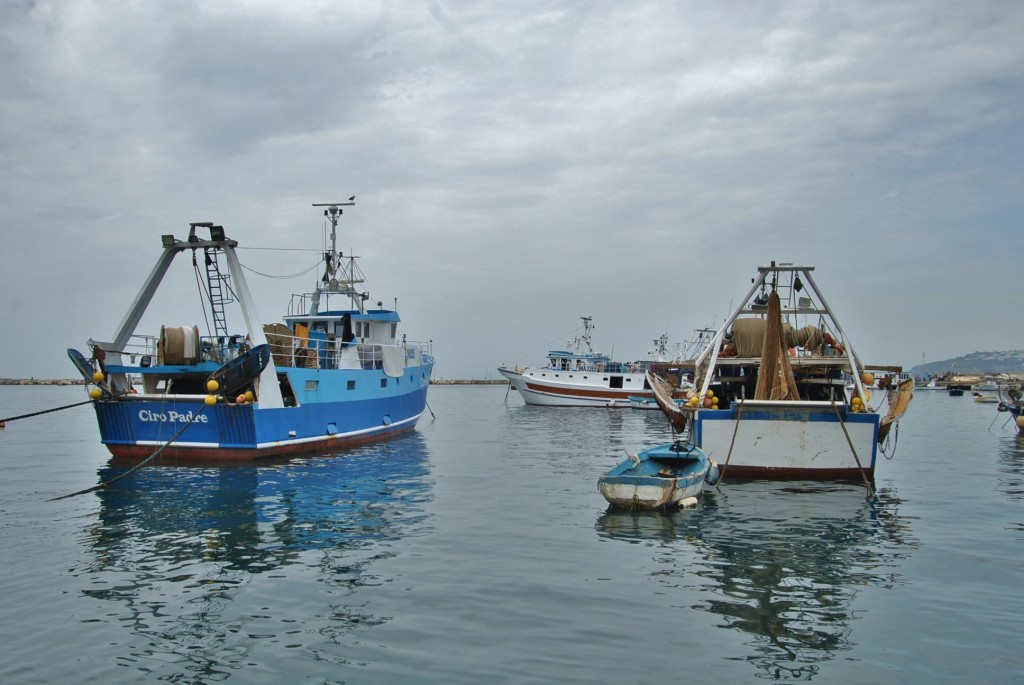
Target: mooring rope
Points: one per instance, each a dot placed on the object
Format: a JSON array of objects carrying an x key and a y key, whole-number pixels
[
  {"x": 863, "y": 475},
  {"x": 45, "y": 411},
  {"x": 137, "y": 466},
  {"x": 736, "y": 428}
]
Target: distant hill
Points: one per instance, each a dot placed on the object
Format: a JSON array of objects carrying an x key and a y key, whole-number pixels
[{"x": 976, "y": 363}]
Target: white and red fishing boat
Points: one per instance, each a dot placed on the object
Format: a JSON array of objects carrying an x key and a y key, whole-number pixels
[
  {"x": 580, "y": 377},
  {"x": 770, "y": 397}
]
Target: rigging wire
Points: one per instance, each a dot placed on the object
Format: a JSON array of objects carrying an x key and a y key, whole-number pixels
[{"x": 285, "y": 277}]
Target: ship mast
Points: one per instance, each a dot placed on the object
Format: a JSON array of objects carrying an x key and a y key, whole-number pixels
[{"x": 331, "y": 284}]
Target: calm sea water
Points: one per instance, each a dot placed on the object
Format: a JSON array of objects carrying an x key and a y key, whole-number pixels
[{"x": 478, "y": 550}]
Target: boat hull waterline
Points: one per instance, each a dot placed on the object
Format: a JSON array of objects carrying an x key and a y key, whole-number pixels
[
  {"x": 763, "y": 437},
  {"x": 133, "y": 429}
]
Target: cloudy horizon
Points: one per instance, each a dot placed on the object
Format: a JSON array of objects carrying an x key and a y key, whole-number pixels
[{"x": 519, "y": 166}]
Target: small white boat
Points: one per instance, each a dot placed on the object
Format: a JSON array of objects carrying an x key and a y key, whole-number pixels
[
  {"x": 672, "y": 474},
  {"x": 984, "y": 399},
  {"x": 580, "y": 377}
]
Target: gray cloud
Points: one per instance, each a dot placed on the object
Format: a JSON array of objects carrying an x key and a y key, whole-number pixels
[{"x": 520, "y": 166}]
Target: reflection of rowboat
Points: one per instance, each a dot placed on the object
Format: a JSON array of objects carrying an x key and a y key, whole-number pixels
[
  {"x": 778, "y": 563},
  {"x": 771, "y": 400},
  {"x": 658, "y": 477}
]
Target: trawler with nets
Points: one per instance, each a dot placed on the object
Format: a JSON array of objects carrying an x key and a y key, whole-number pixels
[{"x": 770, "y": 396}]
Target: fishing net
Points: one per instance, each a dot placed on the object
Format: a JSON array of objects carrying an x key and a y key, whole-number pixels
[{"x": 775, "y": 379}]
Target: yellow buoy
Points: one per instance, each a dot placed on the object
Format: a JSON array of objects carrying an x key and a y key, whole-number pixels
[
  {"x": 1020, "y": 421},
  {"x": 212, "y": 385},
  {"x": 95, "y": 393},
  {"x": 694, "y": 401},
  {"x": 98, "y": 376},
  {"x": 211, "y": 400},
  {"x": 248, "y": 395},
  {"x": 711, "y": 393}
]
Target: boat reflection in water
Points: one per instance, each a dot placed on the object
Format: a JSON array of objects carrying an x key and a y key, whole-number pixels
[
  {"x": 256, "y": 518},
  {"x": 781, "y": 562},
  {"x": 186, "y": 551}
]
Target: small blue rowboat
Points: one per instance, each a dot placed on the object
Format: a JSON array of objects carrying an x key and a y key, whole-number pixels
[{"x": 659, "y": 476}]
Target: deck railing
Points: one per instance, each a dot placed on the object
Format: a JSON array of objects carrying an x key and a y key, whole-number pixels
[{"x": 288, "y": 351}]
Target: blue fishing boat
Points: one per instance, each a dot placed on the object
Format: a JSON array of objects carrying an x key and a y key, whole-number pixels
[
  {"x": 333, "y": 373},
  {"x": 660, "y": 476}
]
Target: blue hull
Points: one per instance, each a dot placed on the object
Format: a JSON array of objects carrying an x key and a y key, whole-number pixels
[{"x": 133, "y": 428}]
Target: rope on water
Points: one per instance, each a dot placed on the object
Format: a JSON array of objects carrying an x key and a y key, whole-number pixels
[
  {"x": 863, "y": 475},
  {"x": 137, "y": 466},
  {"x": 736, "y": 428},
  {"x": 45, "y": 411}
]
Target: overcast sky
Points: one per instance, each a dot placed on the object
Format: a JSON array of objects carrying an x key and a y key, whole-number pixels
[{"x": 519, "y": 165}]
